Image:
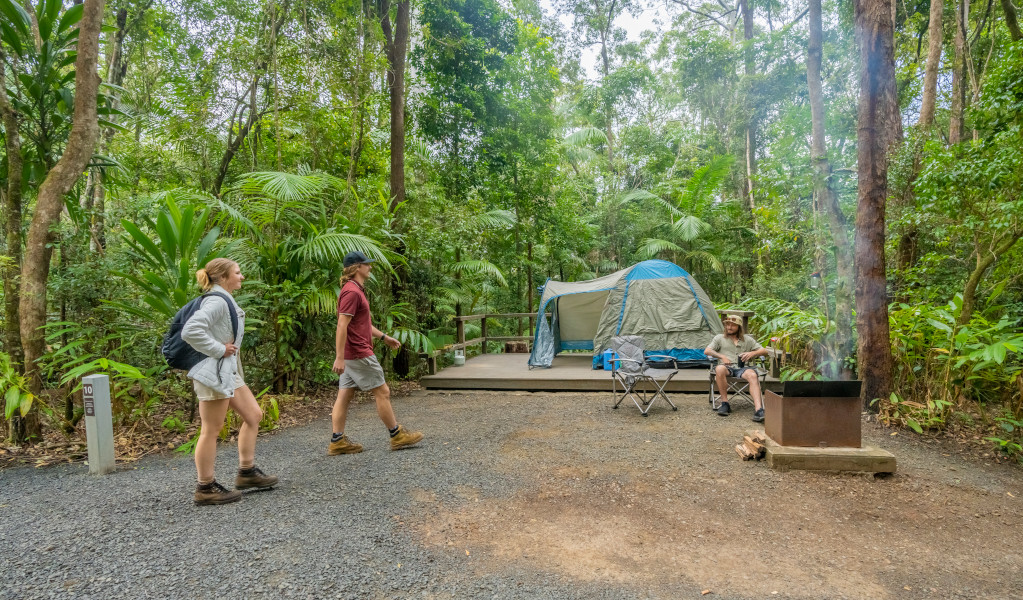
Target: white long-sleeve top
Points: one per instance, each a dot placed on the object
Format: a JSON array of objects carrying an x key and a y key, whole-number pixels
[{"x": 208, "y": 331}]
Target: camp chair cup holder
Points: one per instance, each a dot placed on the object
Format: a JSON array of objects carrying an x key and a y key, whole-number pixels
[{"x": 633, "y": 376}]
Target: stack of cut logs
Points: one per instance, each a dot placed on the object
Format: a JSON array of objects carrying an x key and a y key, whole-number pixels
[{"x": 752, "y": 446}]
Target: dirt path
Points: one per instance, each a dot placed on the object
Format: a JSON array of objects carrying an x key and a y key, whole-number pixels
[{"x": 663, "y": 504}]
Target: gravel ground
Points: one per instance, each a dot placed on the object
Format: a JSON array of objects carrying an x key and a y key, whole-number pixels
[{"x": 518, "y": 495}]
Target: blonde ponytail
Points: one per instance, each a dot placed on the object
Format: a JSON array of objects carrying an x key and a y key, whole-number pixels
[
  {"x": 204, "y": 279},
  {"x": 216, "y": 270}
]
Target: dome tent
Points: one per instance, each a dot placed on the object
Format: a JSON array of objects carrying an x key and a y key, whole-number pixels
[{"x": 655, "y": 299}]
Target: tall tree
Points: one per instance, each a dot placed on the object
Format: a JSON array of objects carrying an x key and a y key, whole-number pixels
[
  {"x": 1012, "y": 20},
  {"x": 397, "y": 50},
  {"x": 595, "y": 24},
  {"x": 246, "y": 113},
  {"x": 955, "y": 124},
  {"x": 749, "y": 70},
  {"x": 58, "y": 181},
  {"x": 875, "y": 37},
  {"x": 935, "y": 36},
  {"x": 824, "y": 188},
  {"x": 12, "y": 215}
]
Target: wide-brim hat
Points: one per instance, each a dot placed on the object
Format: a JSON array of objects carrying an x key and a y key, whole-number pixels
[
  {"x": 356, "y": 258},
  {"x": 733, "y": 319}
]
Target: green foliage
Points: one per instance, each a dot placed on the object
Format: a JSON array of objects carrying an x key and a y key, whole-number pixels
[
  {"x": 939, "y": 361},
  {"x": 42, "y": 90},
  {"x": 13, "y": 389},
  {"x": 183, "y": 245},
  {"x": 803, "y": 334},
  {"x": 1012, "y": 444}
]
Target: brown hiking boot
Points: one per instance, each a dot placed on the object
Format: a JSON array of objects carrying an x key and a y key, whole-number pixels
[
  {"x": 214, "y": 493},
  {"x": 404, "y": 438},
  {"x": 343, "y": 446},
  {"x": 254, "y": 478}
]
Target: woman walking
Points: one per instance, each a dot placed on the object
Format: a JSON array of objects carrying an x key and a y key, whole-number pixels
[{"x": 219, "y": 383}]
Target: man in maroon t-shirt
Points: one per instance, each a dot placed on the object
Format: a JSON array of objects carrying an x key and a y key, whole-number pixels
[{"x": 355, "y": 362}]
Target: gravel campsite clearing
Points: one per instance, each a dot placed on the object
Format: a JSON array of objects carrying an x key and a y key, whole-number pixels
[{"x": 520, "y": 495}]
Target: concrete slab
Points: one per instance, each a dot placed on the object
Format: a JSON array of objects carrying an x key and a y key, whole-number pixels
[{"x": 866, "y": 459}]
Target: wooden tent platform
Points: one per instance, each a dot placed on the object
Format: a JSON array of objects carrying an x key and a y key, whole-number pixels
[{"x": 570, "y": 372}]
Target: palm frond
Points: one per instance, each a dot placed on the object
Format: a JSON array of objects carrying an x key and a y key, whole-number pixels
[
  {"x": 702, "y": 257},
  {"x": 332, "y": 246},
  {"x": 652, "y": 247},
  {"x": 690, "y": 227},
  {"x": 706, "y": 180},
  {"x": 286, "y": 187},
  {"x": 496, "y": 219},
  {"x": 483, "y": 268},
  {"x": 319, "y": 302},
  {"x": 414, "y": 340},
  {"x": 638, "y": 194},
  {"x": 586, "y": 136}
]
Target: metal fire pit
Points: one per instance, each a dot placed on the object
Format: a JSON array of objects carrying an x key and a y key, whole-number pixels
[{"x": 814, "y": 413}]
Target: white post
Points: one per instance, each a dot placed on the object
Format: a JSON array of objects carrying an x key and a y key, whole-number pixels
[{"x": 99, "y": 427}]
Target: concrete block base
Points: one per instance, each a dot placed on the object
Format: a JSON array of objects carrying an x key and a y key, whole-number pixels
[{"x": 866, "y": 459}]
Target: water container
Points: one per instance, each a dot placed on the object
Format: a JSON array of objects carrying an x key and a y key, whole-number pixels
[
  {"x": 608, "y": 355},
  {"x": 459, "y": 358}
]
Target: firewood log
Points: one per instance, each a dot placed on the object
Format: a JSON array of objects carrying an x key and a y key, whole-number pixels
[{"x": 743, "y": 452}]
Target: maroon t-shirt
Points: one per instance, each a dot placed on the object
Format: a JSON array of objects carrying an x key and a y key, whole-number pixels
[{"x": 352, "y": 301}]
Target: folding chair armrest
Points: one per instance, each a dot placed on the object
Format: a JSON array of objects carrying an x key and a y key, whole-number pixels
[
  {"x": 669, "y": 357},
  {"x": 638, "y": 362}
]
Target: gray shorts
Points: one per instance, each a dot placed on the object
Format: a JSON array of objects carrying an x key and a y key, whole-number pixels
[
  {"x": 363, "y": 373},
  {"x": 738, "y": 371}
]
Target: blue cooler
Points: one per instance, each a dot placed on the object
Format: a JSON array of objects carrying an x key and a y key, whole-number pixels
[{"x": 608, "y": 355}]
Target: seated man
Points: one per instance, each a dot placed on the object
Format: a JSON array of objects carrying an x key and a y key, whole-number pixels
[{"x": 735, "y": 349}]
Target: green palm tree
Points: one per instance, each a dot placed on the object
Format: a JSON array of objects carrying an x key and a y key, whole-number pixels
[{"x": 686, "y": 238}]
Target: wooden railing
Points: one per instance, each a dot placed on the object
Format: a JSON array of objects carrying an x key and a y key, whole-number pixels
[{"x": 461, "y": 343}]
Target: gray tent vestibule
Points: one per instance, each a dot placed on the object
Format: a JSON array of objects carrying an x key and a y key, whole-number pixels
[{"x": 655, "y": 299}]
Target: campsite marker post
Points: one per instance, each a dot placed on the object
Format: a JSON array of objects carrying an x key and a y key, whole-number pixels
[{"x": 99, "y": 427}]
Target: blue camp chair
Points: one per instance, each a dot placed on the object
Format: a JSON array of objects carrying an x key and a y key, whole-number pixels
[{"x": 630, "y": 368}]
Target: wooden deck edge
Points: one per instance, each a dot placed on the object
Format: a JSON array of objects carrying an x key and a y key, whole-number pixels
[{"x": 438, "y": 382}]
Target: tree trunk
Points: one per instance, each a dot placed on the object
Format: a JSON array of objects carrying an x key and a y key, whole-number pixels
[
  {"x": 59, "y": 180},
  {"x": 234, "y": 142},
  {"x": 935, "y": 37},
  {"x": 984, "y": 262},
  {"x": 606, "y": 70},
  {"x": 1012, "y": 22},
  {"x": 12, "y": 222},
  {"x": 955, "y": 125},
  {"x": 875, "y": 38},
  {"x": 397, "y": 49},
  {"x": 397, "y": 37},
  {"x": 750, "y": 69},
  {"x": 358, "y": 131},
  {"x": 117, "y": 68},
  {"x": 825, "y": 191}
]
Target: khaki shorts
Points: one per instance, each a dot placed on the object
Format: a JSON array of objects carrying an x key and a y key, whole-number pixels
[
  {"x": 204, "y": 392},
  {"x": 363, "y": 373}
]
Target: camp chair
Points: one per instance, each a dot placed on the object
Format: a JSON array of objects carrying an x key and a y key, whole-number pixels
[
  {"x": 629, "y": 367},
  {"x": 738, "y": 388}
]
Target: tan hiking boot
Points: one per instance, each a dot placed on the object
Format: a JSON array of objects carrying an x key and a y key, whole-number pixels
[
  {"x": 254, "y": 478},
  {"x": 214, "y": 493},
  {"x": 343, "y": 446},
  {"x": 404, "y": 438}
]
